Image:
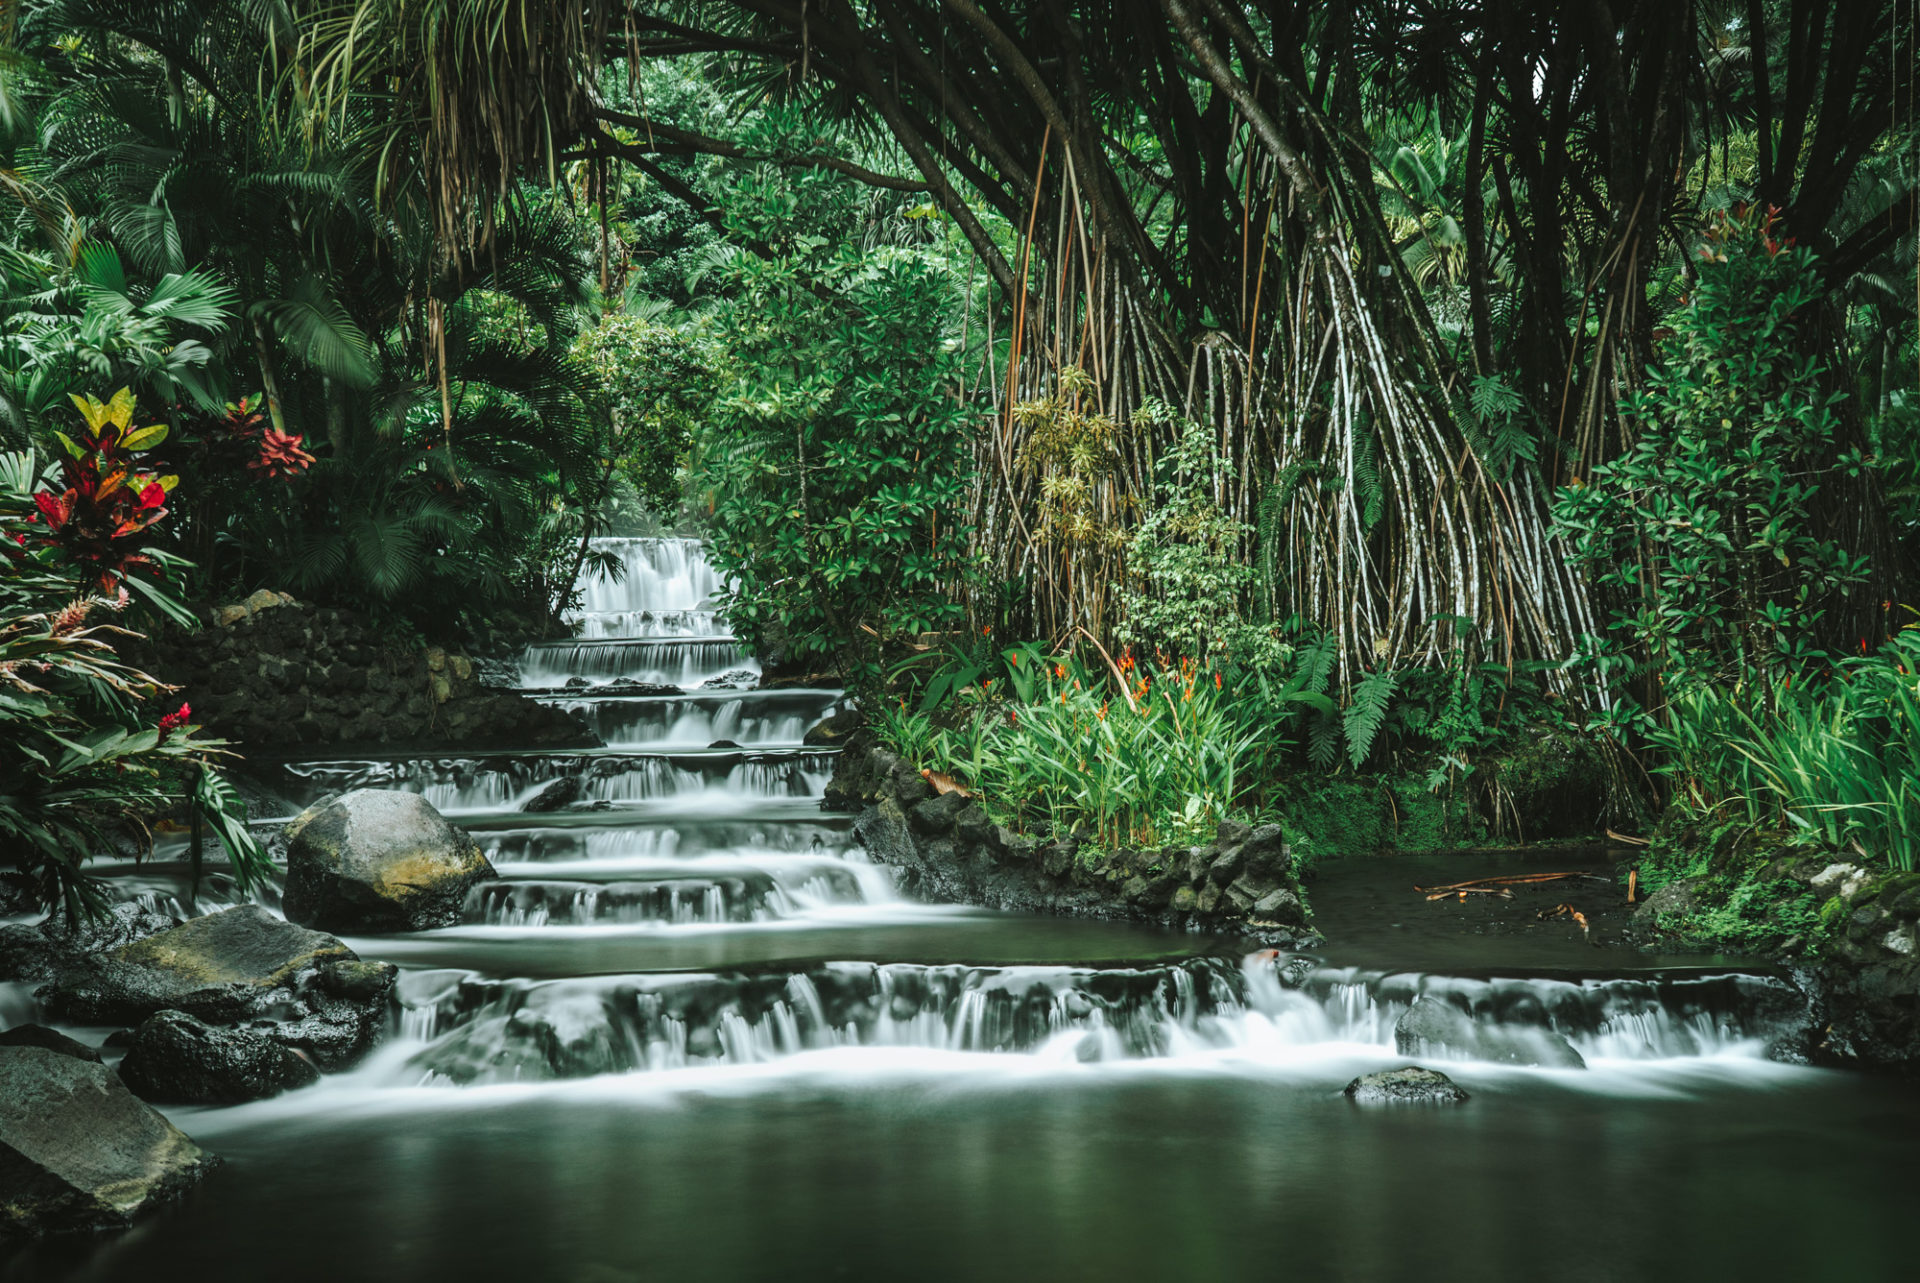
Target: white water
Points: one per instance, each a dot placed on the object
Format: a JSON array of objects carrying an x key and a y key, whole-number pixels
[
  {"x": 653, "y": 622},
  {"x": 726, "y": 854}
]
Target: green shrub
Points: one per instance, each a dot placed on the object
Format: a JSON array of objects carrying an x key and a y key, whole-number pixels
[
  {"x": 1833, "y": 761},
  {"x": 837, "y": 457},
  {"x": 1704, "y": 530},
  {"x": 1050, "y": 744}
]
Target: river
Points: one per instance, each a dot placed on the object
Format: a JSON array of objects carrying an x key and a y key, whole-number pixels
[{"x": 693, "y": 1033}]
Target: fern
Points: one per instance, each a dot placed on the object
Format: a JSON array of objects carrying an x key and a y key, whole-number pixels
[
  {"x": 1323, "y": 741},
  {"x": 1313, "y": 669},
  {"x": 1496, "y": 425},
  {"x": 1366, "y": 480},
  {"x": 1364, "y": 716}
]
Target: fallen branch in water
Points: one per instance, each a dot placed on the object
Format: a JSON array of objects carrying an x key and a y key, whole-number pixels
[
  {"x": 1487, "y": 884},
  {"x": 1568, "y": 911},
  {"x": 1630, "y": 841},
  {"x": 1464, "y": 892}
]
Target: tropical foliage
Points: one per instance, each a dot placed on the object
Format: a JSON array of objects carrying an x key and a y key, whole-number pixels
[
  {"x": 1429, "y": 376},
  {"x": 82, "y": 749}
]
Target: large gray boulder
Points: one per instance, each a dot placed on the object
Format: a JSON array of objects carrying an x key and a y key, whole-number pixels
[
  {"x": 1434, "y": 1027},
  {"x": 374, "y": 861},
  {"x": 240, "y": 965},
  {"x": 221, "y": 968},
  {"x": 78, "y": 1151},
  {"x": 1409, "y": 1086},
  {"x": 177, "y": 1060}
]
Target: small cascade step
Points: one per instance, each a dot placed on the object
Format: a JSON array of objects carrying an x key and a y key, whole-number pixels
[
  {"x": 674, "y": 661},
  {"x": 744, "y": 896},
  {"x": 459, "y": 785},
  {"x": 751, "y": 719},
  {"x": 583, "y": 840},
  {"x": 486, "y": 1030},
  {"x": 630, "y": 625}
]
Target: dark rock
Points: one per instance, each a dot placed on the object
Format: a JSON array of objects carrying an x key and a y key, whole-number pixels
[
  {"x": 224, "y": 967},
  {"x": 1434, "y": 1027},
  {"x": 48, "y": 1040},
  {"x": 973, "y": 827},
  {"x": 1226, "y": 866},
  {"x": 648, "y": 688},
  {"x": 1244, "y": 892},
  {"x": 908, "y": 785},
  {"x": 1409, "y": 1086},
  {"x": 178, "y": 1060},
  {"x": 120, "y": 925},
  {"x": 375, "y": 861},
  {"x": 1281, "y": 908},
  {"x": 27, "y": 954},
  {"x": 78, "y": 1151},
  {"x": 834, "y": 731},
  {"x": 563, "y": 792},
  {"x": 937, "y": 814},
  {"x": 737, "y": 679},
  {"x": 1266, "y": 853},
  {"x": 723, "y": 744},
  {"x": 17, "y": 895}
]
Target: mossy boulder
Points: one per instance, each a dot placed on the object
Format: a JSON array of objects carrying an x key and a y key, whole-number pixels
[
  {"x": 78, "y": 1151},
  {"x": 374, "y": 861},
  {"x": 224, "y": 967}
]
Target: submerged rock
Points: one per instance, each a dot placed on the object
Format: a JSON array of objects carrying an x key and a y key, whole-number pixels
[
  {"x": 1432, "y": 1026},
  {"x": 562, "y": 793},
  {"x": 78, "y": 1151},
  {"x": 178, "y": 1060},
  {"x": 1409, "y": 1086},
  {"x": 374, "y": 861}
]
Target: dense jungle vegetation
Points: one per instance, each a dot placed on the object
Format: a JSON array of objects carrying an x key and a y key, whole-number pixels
[{"x": 1153, "y": 409}]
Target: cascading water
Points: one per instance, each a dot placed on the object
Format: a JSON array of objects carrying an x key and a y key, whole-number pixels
[{"x": 699, "y": 1026}]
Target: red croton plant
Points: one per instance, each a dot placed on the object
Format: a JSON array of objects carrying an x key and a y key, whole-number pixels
[
  {"x": 104, "y": 496},
  {"x": 276, "y": 454}
]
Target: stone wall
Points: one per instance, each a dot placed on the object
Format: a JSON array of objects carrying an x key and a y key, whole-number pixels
[
  {"x": 1864, "y": 968},
  {"x": 271, "y": 672},
  {"x": 946, "y": 846}
]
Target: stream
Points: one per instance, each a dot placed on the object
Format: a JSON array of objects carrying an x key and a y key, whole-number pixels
[{"x": 693, "y": 1032}]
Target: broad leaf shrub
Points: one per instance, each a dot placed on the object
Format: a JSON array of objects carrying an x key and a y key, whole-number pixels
[
  {"x": 1704, "y": 531},
  {"x": 87, "y": 742},
  {"x": 839, "y": 457}
]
